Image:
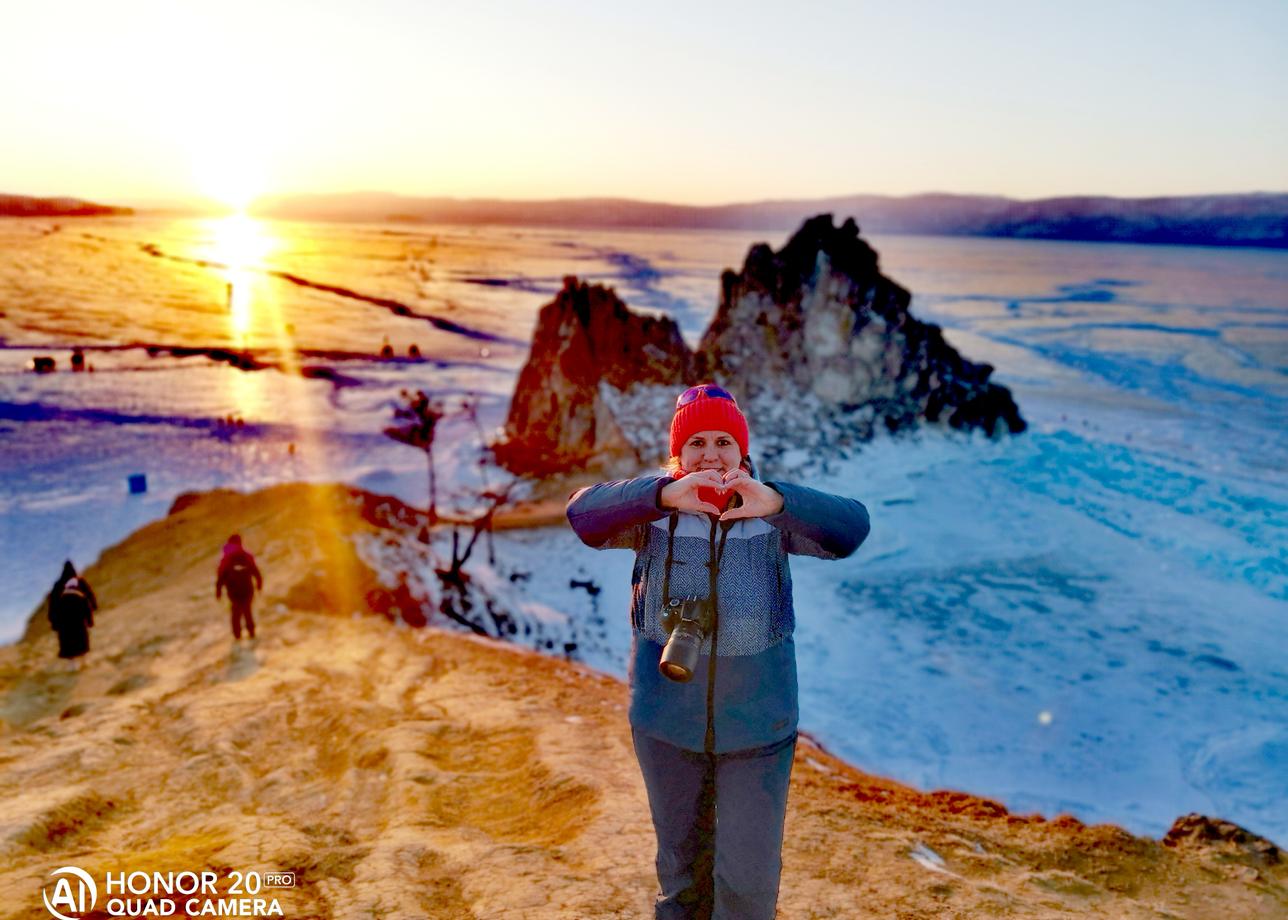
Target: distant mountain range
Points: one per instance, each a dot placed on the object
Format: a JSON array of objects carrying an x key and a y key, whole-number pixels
[
  {"x": 1251, "y": 219},
  {"x": 26, "y": 206},
  {"x": 1254, "y": 219}
]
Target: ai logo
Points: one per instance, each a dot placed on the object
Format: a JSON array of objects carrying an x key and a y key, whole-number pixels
[{"x": 70, "y": 894}]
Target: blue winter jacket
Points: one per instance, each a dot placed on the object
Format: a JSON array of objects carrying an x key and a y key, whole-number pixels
[{"x": 753, "y": 700}]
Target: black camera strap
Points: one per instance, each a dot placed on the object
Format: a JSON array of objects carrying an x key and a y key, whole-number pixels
[
  {"x": 717, "y": 555},
  {"x": 714, "y": 559},
  {"x": 670, "y": 556}
]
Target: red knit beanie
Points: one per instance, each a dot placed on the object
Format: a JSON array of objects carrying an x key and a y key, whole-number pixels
[{"x": 709, "y": 413}]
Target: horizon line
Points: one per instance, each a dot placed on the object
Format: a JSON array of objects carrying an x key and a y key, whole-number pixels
[{"x": 206, "y": 203}]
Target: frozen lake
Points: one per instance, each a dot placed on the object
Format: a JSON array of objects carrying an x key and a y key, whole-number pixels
[{"x": 1091, "y": 617}]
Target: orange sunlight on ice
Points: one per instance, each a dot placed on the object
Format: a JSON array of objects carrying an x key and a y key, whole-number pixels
[
  {"x": 241, "y": 243},
  {"x": 256, "y": 322}
]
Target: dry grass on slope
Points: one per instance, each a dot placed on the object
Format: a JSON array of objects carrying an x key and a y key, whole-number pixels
[{"x": 420, "y": 773}]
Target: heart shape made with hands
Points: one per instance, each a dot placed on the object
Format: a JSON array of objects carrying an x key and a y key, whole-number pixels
[
  {"x": 712, "y": 496},
  {"x": 758, "y": 499}
]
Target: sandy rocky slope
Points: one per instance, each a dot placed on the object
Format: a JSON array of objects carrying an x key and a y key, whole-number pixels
[{"x": 408, "y": 773}]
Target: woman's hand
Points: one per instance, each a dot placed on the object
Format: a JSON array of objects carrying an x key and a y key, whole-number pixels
[
  {"x": 682, "y": 494},
  {"x": 758, "y": 500}
]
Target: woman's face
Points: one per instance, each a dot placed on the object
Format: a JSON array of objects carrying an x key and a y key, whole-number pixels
[{"x": 710, "y": 450}]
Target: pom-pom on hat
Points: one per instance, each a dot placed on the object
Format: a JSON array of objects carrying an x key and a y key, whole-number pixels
[{"x": 707, "y": 407}]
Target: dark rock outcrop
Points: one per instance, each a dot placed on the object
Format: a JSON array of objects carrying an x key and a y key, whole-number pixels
[
  {"x": 588, "y": 352},
  {"x": 1239, "y": 844},
  {"x": 820, "y": 341},
  {"x": 817, "y": 344}
]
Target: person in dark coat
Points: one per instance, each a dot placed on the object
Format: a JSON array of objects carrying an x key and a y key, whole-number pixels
[
  {"x": 715, "y": 734},
  {"x": 71, "y": 612},
  {"x": 239, "y": 574}
]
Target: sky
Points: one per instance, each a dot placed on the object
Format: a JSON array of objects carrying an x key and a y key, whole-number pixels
[{"x": 137, "y": 101}]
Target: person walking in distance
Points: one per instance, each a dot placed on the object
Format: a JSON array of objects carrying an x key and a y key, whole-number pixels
[
  {"x": 239, "y": 574},
  {"x": 71, "y": 614}
]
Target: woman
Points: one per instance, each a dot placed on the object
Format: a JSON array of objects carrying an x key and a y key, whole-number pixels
[{"x": 721, "y": 743}]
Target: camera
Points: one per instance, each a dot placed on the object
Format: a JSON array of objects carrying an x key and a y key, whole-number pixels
[{"x": 687, "y": 620}]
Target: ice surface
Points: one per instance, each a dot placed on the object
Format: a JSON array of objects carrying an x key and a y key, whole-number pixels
[{"x": 1091, "y": 618}]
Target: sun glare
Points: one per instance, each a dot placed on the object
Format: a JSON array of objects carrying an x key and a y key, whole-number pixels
[
  {"x": 229, "y": 175},
  {"x": 241, "y": 243},
  {"x": 258, "y": 326}
]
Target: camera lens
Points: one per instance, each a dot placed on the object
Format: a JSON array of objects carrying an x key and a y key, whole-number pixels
[
  {"x": 675, "y": 672},
  {"x": 680, "y": 656}
]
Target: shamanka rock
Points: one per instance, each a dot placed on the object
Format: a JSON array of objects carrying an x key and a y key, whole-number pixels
[
  {"x": 817, "y": 345},
  {"x": 588, "y": 350},
  {"x": 825, "y": 350}
]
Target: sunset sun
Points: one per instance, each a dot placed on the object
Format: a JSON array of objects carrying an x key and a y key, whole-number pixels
[{"x": 229, "y": 173}]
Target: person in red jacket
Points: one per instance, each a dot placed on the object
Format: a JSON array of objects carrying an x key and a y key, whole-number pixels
[{"x": 239, "y": 574}]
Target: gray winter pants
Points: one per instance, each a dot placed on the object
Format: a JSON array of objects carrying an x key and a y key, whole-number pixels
[{"x": 719, "y": 823}]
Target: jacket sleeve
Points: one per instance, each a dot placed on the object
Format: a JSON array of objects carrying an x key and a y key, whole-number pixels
[
  {"x": 613, "y": 515},
  {"x": 817, "y": 523}
]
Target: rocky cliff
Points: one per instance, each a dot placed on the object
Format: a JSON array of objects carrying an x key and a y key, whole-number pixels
[
  {"x": 819, "y": 347},
  {"x": 823, "y": 350},
  {"x": 588, "y": 350}
]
